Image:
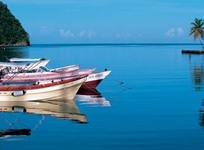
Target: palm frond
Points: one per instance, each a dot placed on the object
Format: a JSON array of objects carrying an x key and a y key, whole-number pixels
[{"x": 197, "y": 29}]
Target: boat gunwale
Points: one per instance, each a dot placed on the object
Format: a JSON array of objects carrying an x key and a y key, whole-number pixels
[{"x": 39, "y": 86}]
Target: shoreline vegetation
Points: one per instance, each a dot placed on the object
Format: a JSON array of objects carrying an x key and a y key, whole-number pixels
[
  {"x": 197, "y": 30},
  {"x": 11, "y": 31}
]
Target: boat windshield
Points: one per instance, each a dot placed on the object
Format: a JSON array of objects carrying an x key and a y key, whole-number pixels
[{"x": 44, "y": 69}]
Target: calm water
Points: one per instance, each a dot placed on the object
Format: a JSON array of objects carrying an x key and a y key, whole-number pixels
[{"x": 154, "y": 94}]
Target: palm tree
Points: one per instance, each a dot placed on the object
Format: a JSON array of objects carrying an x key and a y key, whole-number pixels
[{"x": 198, "y": 30}]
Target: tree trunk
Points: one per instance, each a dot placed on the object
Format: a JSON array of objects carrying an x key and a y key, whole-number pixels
[{"x": 201, "y": 43}]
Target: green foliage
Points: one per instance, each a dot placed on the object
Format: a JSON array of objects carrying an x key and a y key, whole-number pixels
[
  {"x": 197, "y": 30},
  {"x": 11, "y": 30}
]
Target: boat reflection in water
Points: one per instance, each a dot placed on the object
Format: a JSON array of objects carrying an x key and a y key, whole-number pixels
[
  {"x": 58, "y": 108},
  {"x": 91, "y": 97}
]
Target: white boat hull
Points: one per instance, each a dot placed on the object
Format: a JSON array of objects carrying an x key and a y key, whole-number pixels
[{"x": 67, "y": 90}]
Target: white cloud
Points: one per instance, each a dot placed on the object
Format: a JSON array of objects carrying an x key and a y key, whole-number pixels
[
  {"x": 180, "y": 31},
  {"x": 124, "y": 35},
  {"x": 82, "y": 33},
  {"x": 91, "y": 34},
  {"x": 69, "y": 34},
  {"x": 170, "y": 32},
  {"x": 175, "y": 32},
  {"x": 66, "y": 33}
]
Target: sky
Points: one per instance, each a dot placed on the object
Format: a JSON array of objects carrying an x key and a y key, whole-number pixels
[{"x": 107, "y": 21}]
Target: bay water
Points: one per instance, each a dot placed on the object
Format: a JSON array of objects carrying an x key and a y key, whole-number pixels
[{"x": 153, "y": 97}]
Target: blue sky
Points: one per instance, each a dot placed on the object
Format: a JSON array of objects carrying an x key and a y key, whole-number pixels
[{"x": 107, "y": 21}]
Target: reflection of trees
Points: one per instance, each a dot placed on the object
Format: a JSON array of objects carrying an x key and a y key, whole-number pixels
[
  {"x": 198, "y": 76},
  {"x": 12, "y": 52},
  {"x": 201, "y": 115},
  {"x": 201, "y": 119}
]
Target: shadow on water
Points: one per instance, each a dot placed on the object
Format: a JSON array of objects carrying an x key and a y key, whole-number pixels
[{"x": 12, "y": 52}]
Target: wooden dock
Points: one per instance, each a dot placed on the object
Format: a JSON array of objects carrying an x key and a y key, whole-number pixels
[{"x": 192, "y": 51}]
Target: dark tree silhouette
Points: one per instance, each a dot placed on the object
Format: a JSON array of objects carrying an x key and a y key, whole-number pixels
[{"x": 11, "y": 30}]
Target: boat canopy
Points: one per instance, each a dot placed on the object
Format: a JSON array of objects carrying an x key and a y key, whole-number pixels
[
  {"x": 24, "y": 63},
  {"x": 26, "y": 59},
  {"x": 13, "y": 64}
]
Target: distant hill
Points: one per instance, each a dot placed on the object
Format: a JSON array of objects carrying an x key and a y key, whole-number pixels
[{"x": 11, "y": 31}]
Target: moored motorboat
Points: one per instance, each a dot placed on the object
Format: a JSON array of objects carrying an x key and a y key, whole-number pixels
[
  {"x": 43, "y": 74},
  {"x": 67, "y": 88},
  {"x": 95, "y": 78}
]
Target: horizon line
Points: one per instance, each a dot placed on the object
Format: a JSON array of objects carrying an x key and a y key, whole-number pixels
[{"x": 114, "y": 43}]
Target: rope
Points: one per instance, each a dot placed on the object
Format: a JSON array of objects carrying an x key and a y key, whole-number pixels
[
  {"x": 39, "y": 122},
  {"x": 11, "y": 124},
  {"x": 16, "y": 120},
  {"x": 120, "y": 83}
]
